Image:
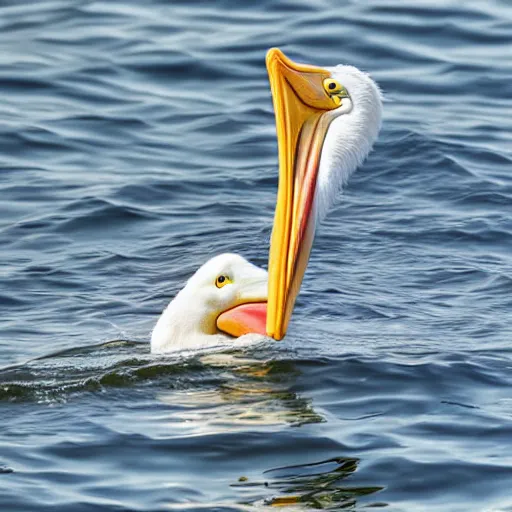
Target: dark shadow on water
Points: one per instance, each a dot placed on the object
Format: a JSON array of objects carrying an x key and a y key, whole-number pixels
[
  {"x": 318, "y": 485},
  {"x": 57, "y": 376}
]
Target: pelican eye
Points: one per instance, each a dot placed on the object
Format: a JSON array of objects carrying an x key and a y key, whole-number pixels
[
  {"x": 335, "y": 90},
  {"x": 332, "y": 86},
  {"x": 222, "y": 281}
]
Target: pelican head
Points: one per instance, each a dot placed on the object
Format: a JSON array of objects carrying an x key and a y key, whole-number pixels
[
  {"x": 327, "y": 120},
  {"x": 225, "y": 298}
]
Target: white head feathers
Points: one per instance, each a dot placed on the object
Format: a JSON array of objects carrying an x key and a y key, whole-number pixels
[{"x": 350, "y": 136}]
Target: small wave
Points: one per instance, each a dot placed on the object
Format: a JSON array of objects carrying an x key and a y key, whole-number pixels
[
  {"x": 101, "y": 215},
  {"x": 114, "y": 364}
]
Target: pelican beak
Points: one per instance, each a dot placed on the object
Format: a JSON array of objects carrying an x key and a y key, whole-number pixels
[
  {"x": 304, "y": 110},
  {"x": 244, "y": 319}
]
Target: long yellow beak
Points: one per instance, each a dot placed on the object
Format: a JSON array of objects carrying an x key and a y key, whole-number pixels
[{"x": 303, "y": 109}]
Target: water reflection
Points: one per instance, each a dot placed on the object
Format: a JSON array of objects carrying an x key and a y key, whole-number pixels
[
  {"x": 258, "y": 393},
  {"x": 251, "y": 393}
]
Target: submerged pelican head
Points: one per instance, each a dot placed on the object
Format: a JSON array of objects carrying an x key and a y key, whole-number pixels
[
  {"x": 226, "y": 296},
  {"x": 327, "y": 120}
]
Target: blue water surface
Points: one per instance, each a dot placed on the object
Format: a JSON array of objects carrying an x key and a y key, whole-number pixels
[{"x": 137, "y": 139}]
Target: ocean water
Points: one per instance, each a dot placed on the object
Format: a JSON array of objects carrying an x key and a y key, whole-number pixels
[{"x": 137, "y": 139}]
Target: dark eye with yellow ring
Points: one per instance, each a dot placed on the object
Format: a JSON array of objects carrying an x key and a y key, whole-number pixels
[
  {"x": 335, "y": 90},
  {"x": 222, "y": 281},
  {"x": 332, "y": 86}
]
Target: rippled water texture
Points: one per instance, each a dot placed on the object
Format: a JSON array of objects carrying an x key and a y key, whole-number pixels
[{"x": 137, "y": 140}]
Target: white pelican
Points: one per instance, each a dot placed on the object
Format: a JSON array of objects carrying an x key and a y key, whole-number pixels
[{"x": 327, "y": 120}]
